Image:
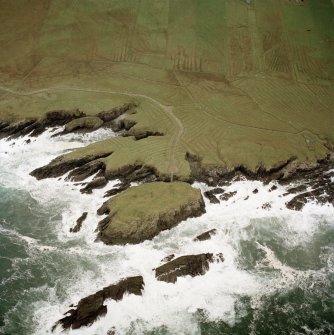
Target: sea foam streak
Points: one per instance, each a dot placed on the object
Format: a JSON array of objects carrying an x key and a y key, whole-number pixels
[{"x": 238, "y": 221}]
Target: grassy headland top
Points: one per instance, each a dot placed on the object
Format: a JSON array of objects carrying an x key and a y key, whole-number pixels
[{"x": 231, "y": 82}]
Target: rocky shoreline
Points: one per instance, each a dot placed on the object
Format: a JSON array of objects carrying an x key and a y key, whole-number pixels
[
  {"x": 135, "y": 214},
  {"x": 72, "y": 120}
]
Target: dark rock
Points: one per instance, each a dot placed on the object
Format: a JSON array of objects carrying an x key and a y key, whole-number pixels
[
  {"x": 273, "y": 188},
  {"x": 247, "y": 197},
  {"x": 211, "y": 195},
  {"x": 227, "y": 196},
  {"x": 28, "y": 140},
  {"x": 255, "y": 191},
  {"x": 206, "y": 236},
  {"x": 138, "y": 173},
  {"x": 297, "y": 189},
  {"x": 266, "y": 205},
  {"x": 86, "y": 123},
  {"x": 54, "y": 119},
  {"x": 60, "y": 166},
  {"x": 218, "y": 175},
  {"x": 193, "y": 265},
  {"x": 60, "y": 117},
  {"x": 85, "y": 171},
  {"x": 104, "y": 209},
  {"x": 18, "y": 128},
  {"x": 317, "y": 178},
  {"x": 91, "y": 307},
  {"x": 115, "y": 112},
  {"x": 35, "y": 127},
  {"x": 3, "y": 124},
  {"x": 144, "y": 134},
  {"x": 78, "y": 225},
  {"x": 112, "y": 331},
  {"x": 297, "y": 203},
  {"x": 98, "y": 182},
  {"x": 117, "y": 190}
]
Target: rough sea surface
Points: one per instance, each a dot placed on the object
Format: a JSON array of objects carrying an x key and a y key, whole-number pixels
[{"x": 277, "y": 277}]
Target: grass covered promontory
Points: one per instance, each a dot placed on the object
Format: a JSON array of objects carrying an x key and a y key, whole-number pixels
[{"x": 142, "y": 212}]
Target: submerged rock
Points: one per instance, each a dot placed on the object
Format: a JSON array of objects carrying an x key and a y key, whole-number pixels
[
  {"x": 193, "y": 265},
  {"x": 91, "y": 307},
  {"x": 206, "y": 236},
  {"x": 142, "y": 212}
]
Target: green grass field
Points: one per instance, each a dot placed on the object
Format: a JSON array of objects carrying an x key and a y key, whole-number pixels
[{"x": 233, "y": 83}]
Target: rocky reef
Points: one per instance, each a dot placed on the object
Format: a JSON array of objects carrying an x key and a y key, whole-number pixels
[{"x": 92, "y": 307}]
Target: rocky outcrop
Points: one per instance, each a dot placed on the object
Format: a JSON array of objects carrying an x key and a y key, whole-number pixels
[
  {"x": 97, "y": 182},
  {"x": 87, "y": 123},
  {"x": 211, "y": 195},
  {"x": 189, "y": 265},
  {"x": 313, "y": 184},
  {"x": 115, "y": 112},
  {"x": 16, "y": 129},
  {"x": 227, "y": 195},
  {"x": 205, "y": 236},
  {"x": 60, "y": 166},
  {"x": 35, "y": 127},
  {"x": 74, "y": 120},
  {"x": 142, "y": 212},
  {"x": 122, "y": 187},
  {"x": 79, "y": 222},
  {"x": 91, "y": 307},
  {"x": 86, "y": 170}
]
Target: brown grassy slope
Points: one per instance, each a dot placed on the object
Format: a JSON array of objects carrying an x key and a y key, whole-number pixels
[{"x": 235, "y": 84}]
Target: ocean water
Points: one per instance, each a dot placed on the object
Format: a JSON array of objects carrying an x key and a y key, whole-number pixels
[{"x": 277, "y": 277}]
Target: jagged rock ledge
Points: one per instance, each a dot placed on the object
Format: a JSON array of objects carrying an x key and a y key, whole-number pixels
[
  {"x": 92, "y": 307},
  {"x": 79, "y": 222},
  {"x": 73, "y": 120},
  {"x": 314, "y": 177},
  {"x": 142, "y": 212},
  {"x": 188, "y": 265}
]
